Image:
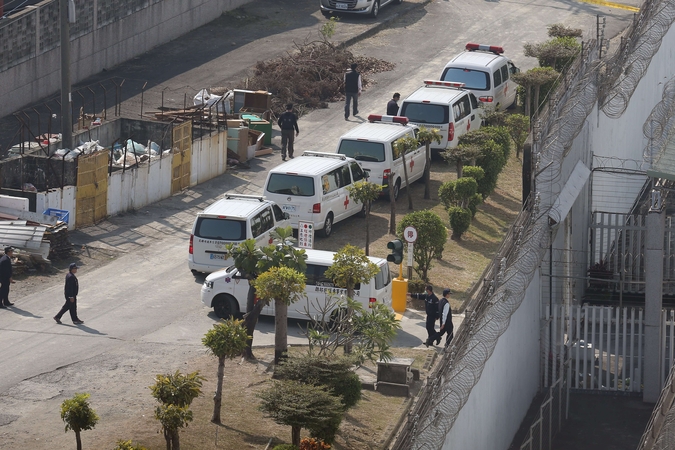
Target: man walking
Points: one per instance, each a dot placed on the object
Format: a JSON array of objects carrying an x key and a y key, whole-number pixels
[
  {"x": 431, "y": 308},
  {"x": 288, "y": 122},
  {"x": 392, "y": 106},
  {"x": 447, "y": 326},
  {"x": 70, "y": 290},
  {"x": 352, "y": 90},
  {"x": 6, "y": 277}
]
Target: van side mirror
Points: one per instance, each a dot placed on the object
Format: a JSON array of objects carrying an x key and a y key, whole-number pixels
[
  {"x": 366, "y": 172},
  {"x": 287, "y": 216}
]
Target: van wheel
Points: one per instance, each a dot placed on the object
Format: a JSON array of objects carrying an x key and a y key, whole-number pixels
[
  {"x": 397, "y": 189},
  {"x": 225, "y": 306},
  {"x": 328, "y": 225},
  {"x": 375, "y": 10},
  {"x": 336, "y": 317},
  {"x": 195, "y": 272}
]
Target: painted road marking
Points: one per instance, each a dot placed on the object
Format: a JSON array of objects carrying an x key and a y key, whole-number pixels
[{"x": 612, "y": 5}]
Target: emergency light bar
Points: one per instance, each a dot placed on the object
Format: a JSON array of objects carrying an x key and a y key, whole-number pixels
[
  {"x": 391, "y": 119},
  {"x": 454, "y": 84},
  {"x": 487, "y": 48}
]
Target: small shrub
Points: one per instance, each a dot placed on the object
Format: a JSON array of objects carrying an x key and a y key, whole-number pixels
[
  {"x": 465, "y": 188},
  {"x": 416, "y": 286},
  {"x": 313, "y": 444},
  {"x": 128, "y": 445},
  {"x": 285, "y": 447},
  {"x": 475, "y": 172},
  {"x": 446, "y": 193},
  {"x": 474, "y": 201},
  {"x": 460, "y": 221}
]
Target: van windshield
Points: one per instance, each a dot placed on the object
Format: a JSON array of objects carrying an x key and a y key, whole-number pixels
[
  {"x": 221, "y": 229},
  {"x": 472, "y": 79},
  {"x": 425, "y": 113},
  {"x": 362, "y": 150},
  {"x": 282, "y": 183}
]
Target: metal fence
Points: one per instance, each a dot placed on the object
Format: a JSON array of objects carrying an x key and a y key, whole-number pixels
[{"x": 552, "y": 415}]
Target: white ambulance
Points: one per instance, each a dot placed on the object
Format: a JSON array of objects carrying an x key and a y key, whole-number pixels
[
  {"x": 372, "y": 145},
  {"x": 313, "y": 188},
  {"x": 485, "y": 72},
  {"x": 232, "y": 219},
  {"x": 446, "y": 106},
  {"x": 226, "y": 290}
]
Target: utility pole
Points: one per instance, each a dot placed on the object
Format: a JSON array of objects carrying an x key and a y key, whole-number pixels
[{"x": 66, "y": 98}]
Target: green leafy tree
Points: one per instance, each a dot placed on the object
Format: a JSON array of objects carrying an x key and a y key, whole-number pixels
[
  {"x": 405, "y": 145},
  {"x": 431, "y": 238},
  {"x": 446, "y": 193},
  {"x": 492, "y": 162},
  {"x": 557, "y": 53},
  {"x": 78, "y": 416},
  {"x": 519, "y": 128},
  {"x": 535, "y": 80},
  {"x": 252, "y": 261},
  {"x": 426, "y": 136},
  {"x": 458, "y": 193},
  {"x": 365, "y": 192},
  {"x": 226, "y": 340},
  {"x": 461, "y": 155},
  {"x": 460, "y": 221},
  {"x": 474, "y": 201},
  {"x": 299, "y": 406},
  {"x": 285, "y": 285},
  {"x": 128, "y": 445},
  {"x": 175, "y": 392},
  {"x": 350, "y": 267}
]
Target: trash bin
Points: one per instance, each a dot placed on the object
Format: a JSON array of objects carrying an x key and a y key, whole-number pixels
[
  {"x": 61, "y": 214},
  {"x": 256, "y": 123}
]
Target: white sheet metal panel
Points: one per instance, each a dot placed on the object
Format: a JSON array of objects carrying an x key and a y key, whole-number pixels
[
  {"x": 575, "y": 183},
  {"x": 209, "y": 158},
  {"x": 17, "y": 234}
]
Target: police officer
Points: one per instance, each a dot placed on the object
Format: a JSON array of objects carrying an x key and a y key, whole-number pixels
[
  {"x": 431, "y": 308},
  {"x": 445, "y": 312}
]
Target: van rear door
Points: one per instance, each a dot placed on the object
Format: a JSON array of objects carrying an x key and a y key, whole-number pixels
[
  {"x": 430, "y": 115},
  {"x": 211, "y": 236}
]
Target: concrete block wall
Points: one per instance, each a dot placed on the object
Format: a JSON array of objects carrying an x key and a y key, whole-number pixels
[{"x": 106, "y": 33}]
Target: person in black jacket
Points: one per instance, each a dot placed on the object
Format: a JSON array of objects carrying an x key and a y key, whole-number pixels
[
  {"x": 353, "y": 89},
  {"x": 70, "y": 291},
  {"x": 6, "y": 277},
  {"x": 392, "y": 106},
  {"x": 288, "y": 122},
  {"x": 445, "y": 312},
  {"x": 431, "y": 308}
]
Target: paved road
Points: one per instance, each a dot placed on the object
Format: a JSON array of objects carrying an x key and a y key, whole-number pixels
[{"x": 148, "y": 295}]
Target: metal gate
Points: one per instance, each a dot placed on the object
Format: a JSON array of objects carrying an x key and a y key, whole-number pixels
[
  {"x": 182, "y": 152},
  {"x": 92, "y": 189}
]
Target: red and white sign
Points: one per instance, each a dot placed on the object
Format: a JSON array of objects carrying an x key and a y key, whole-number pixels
[
  {"x": 410, "y": 234},
  {"x": 305, "y": 234}
]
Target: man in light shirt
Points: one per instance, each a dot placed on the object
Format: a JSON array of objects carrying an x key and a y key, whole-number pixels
[{"x": 445, "y": 313}]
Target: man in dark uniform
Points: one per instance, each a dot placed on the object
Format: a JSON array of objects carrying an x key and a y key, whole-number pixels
[
  {"x": 6, "y": 277},
  {"x": 447, "y": 326},
  {"x": 70, "y": 291},
  {"x": 288, "y": 122},
  {"x": 431, "y": 308},
  {"x": 353, "y": 89},
  {"x": 392, "y": 106}
]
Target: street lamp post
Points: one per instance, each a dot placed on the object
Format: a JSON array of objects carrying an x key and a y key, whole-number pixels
[{"x": 66, "y": 98}]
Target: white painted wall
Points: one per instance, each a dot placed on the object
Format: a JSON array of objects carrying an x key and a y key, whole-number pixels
[
  {"x": 209, "y": 158},
  {"x": 63, "y": 199},
  {"x": 497, "y": 404}
]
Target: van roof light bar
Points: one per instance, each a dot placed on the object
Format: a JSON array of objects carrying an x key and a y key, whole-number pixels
[
  {"x": 486, "y": 48},
  {"x": 245, "y": 196},
  {"x": 324, "y": 155},
  {"x": 454, "y": 84},
  {"x": 388, "y": 119}
]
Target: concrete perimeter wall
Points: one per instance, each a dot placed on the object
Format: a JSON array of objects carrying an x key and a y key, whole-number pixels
[
  {"x": 106, "y": 33},
  {"x": 497, "y": 404}
]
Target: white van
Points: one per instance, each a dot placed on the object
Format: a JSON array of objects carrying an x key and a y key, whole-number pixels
[
  {"x": 232, "y": 219},
  {"x": 225, "y": 291},
  {"x": 313, "y": 188},
  {"x": 446, "y": 106},
  {"x": 372, "y": 145},
  {"x": 486, "y": 73}
]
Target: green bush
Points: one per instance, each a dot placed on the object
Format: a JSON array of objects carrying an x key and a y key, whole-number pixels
[
  {"x": 447, "y": 194},
  {"x": 128, "y": 445},
  {"x": 415, "y": 286},
  {"x": 502, "y": 137},
  {"x": 327, "y": 430},
  {"x": 460, "y": 221},
  {"x": 431, "y": 238},
  {"x": 474, "y": 201},
  {"x": 475, "y": 172},
  {"x": 492, "y": 162},
  {"x": 285, "y": 447},
  {"x": 465, "y": 188}
]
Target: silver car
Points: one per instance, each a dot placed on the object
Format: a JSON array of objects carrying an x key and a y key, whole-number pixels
[{"x": 363, "y": 7}]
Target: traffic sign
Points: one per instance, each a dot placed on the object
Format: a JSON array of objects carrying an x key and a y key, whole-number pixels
[
  {"x": 305, "y": 234},
  {"x": 410, "y": 234}
]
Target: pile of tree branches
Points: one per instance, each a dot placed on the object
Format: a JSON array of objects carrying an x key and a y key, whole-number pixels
[{"x": 311, "y": 75}]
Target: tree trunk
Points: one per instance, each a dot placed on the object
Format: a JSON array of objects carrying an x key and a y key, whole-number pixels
[
  {"x": 295, "y": 435},
  {"x": 392, "y": 203},
  {"x": 78, "y": 439},
  {"x": 350, "y": 313},
  {"x": 175, "y": 440},
  {"x": 250, "y": 321},
  {"x": 280, "y": 330},
  {"x": 167, "y": 438},
  {"x": 368, "y": 228},
  {"x": 527, "y": 101},
  {"x": 427, "y": 174},
  {"x": 407, "y": 184},
  {"x": 218, "y": 398},
  {"x": 536, "y": 101},
  {"x": 460, "y": 168}
]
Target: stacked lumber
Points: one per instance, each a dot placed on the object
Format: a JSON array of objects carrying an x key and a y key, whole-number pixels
[{"x": 59, "y": 244}]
